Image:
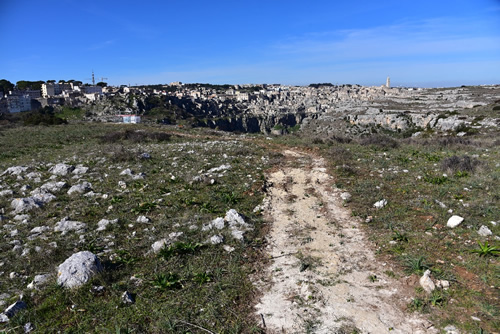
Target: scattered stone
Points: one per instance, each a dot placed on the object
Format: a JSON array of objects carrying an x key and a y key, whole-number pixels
[
  {"x": 443, "y": 284},
  {"x": 216, "y": 239},
  {"x": 6, "y": 193},
  {"x": 450, "y": 329},
  {"x": 441, "y": 204},
  {"x": 79, "y": 170},
  {"x": 219, "y": 169},
  {"x": 134, "y": 176},
  {"x": 66, "y": 225},
  {"x": 80, "y": 188},
  {"x": 454, "y": 221},
  {"x": 228, "y": 248},
  {"x": 484, "y": 231},
  {"x": 345, "y": 196},
  {"x": 103, "y": 224},
  {"x": 143, "y": 219},
  {"x": 16, "y": 170},
  {"x": 236, "y": 224},
  {"x": 426, "y": 282},
  {"x": 493, "y": 223},
  {"x": 157, "y": 246},
  {"x": 475, "y": 318},
  {"x": 97, "y": 289},
  {"x": 54, "y": 186},
  {"x": 128, "y": 298},
  {"x": 42, "y": 195},
  {"x": 217, "y": 223},
  {"x": 380, "y": 204},
  {"x": 145, "y": 156},
  {"x": 61, "y": 169},
  {"x": 21, "y": 205},
  {"x": 78, "y": 269},
  {"x": 39, "y": 281},
  {"x": 28, "y": 327},
  {"x": 13, "y": 309},
  {"x": 21, "y": 218}
]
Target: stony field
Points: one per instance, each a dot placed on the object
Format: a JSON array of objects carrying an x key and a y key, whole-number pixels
[{"x": 159, "y": 229}]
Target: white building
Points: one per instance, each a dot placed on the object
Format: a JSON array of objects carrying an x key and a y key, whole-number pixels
[{"x": 54, "y": 89}]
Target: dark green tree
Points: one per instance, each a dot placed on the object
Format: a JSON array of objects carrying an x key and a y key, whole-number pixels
[
  {"x": 6, "y": 86},
  {"x": 102, "y": 84}
]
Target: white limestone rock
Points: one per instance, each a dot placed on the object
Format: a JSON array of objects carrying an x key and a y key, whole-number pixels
[
  {"x": 104, "y": 223},
  {"x": 78, "y": 269},
  {"x": 12, "y": 310},
  {"x": 345, "y": 196},
  {"x": 42, "y": 195},
  {"x": 380, "y": 204},
  {"x": 216, "y": 239},
  {"x": 21, "y": 205},
  {"x": 426, "y": 282},
  {"x": 80, "y": 188},
  {"x": 143, "y": 219},
  {"x": 66, "y": 225},
  {"x": 54, "y": 186},
  {"x": 484, "y": 231},
  {"x": 79, "y": 170},
  {"x": 128, "y": 298},
  {"x": 15, "y": 170},
  {"x": 454, "y": 221},
  {"x": 39, "y": 281},
  {"x": 6, "y": 193},
  {"x": 61, "y": 169},
  {"x": 217, "y": 223}
]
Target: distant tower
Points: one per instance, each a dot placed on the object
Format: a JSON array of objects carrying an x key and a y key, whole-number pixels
[{"x": 388, "y": 83}]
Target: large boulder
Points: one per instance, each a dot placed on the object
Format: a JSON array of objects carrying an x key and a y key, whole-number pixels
[{"x": 78, "y": 269}]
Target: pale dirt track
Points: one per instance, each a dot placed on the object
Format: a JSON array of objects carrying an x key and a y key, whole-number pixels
[{"x": 318, "y": 279}]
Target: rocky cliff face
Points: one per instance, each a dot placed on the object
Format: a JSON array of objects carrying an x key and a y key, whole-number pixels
[{"x": 352, "y": 110}]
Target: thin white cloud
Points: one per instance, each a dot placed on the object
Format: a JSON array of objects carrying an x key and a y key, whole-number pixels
[{"x": 419, "y": 38}]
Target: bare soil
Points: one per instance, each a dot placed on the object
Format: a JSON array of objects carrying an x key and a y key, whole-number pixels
[{"x": 323, "y": 276}]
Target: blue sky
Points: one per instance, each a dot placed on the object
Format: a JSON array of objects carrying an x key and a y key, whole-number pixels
[{"x": 416, "y": 43}]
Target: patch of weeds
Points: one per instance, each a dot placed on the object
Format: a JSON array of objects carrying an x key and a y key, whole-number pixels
[
  {"x": 417, "y": 305},
  {"x": 373, "y": 278},
  {"x": 179, "y": 248},
  {"x": 168, "y": 281},
  {"x": 144, "y": 207},
  {"x": 437, "y": 298},
  {"x": 432, "y": 157},
  {"x": 486, "y": 250},
  {"x": 416, "y": 265},
  {"x": 202, "y": 278},
  {"x": 124, "y": 257},
  {"x": 398, "y": 236},
  {"x": 438, "y": 180},
  {"x": 379, "y": 142}
]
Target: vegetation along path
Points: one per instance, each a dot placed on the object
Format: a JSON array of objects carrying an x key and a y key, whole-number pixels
[{"x": 323, "y": 276}]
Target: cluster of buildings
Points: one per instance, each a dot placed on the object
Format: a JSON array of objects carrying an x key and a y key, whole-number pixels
[{"x": 50, "y": 94}]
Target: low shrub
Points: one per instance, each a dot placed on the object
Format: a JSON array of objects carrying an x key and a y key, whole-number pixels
[
  {"x": 460, "y": 164},
  {"x": 379, "y": 141}
]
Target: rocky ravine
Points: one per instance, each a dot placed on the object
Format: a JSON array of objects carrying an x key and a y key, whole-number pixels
[{"x": 323, "y": 276}]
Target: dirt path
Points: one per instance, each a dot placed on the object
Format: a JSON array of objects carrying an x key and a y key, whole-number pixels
[{"x": 323, "y": 276}]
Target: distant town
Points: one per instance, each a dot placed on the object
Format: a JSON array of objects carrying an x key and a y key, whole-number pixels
[{"x": 31, "y": 95}]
